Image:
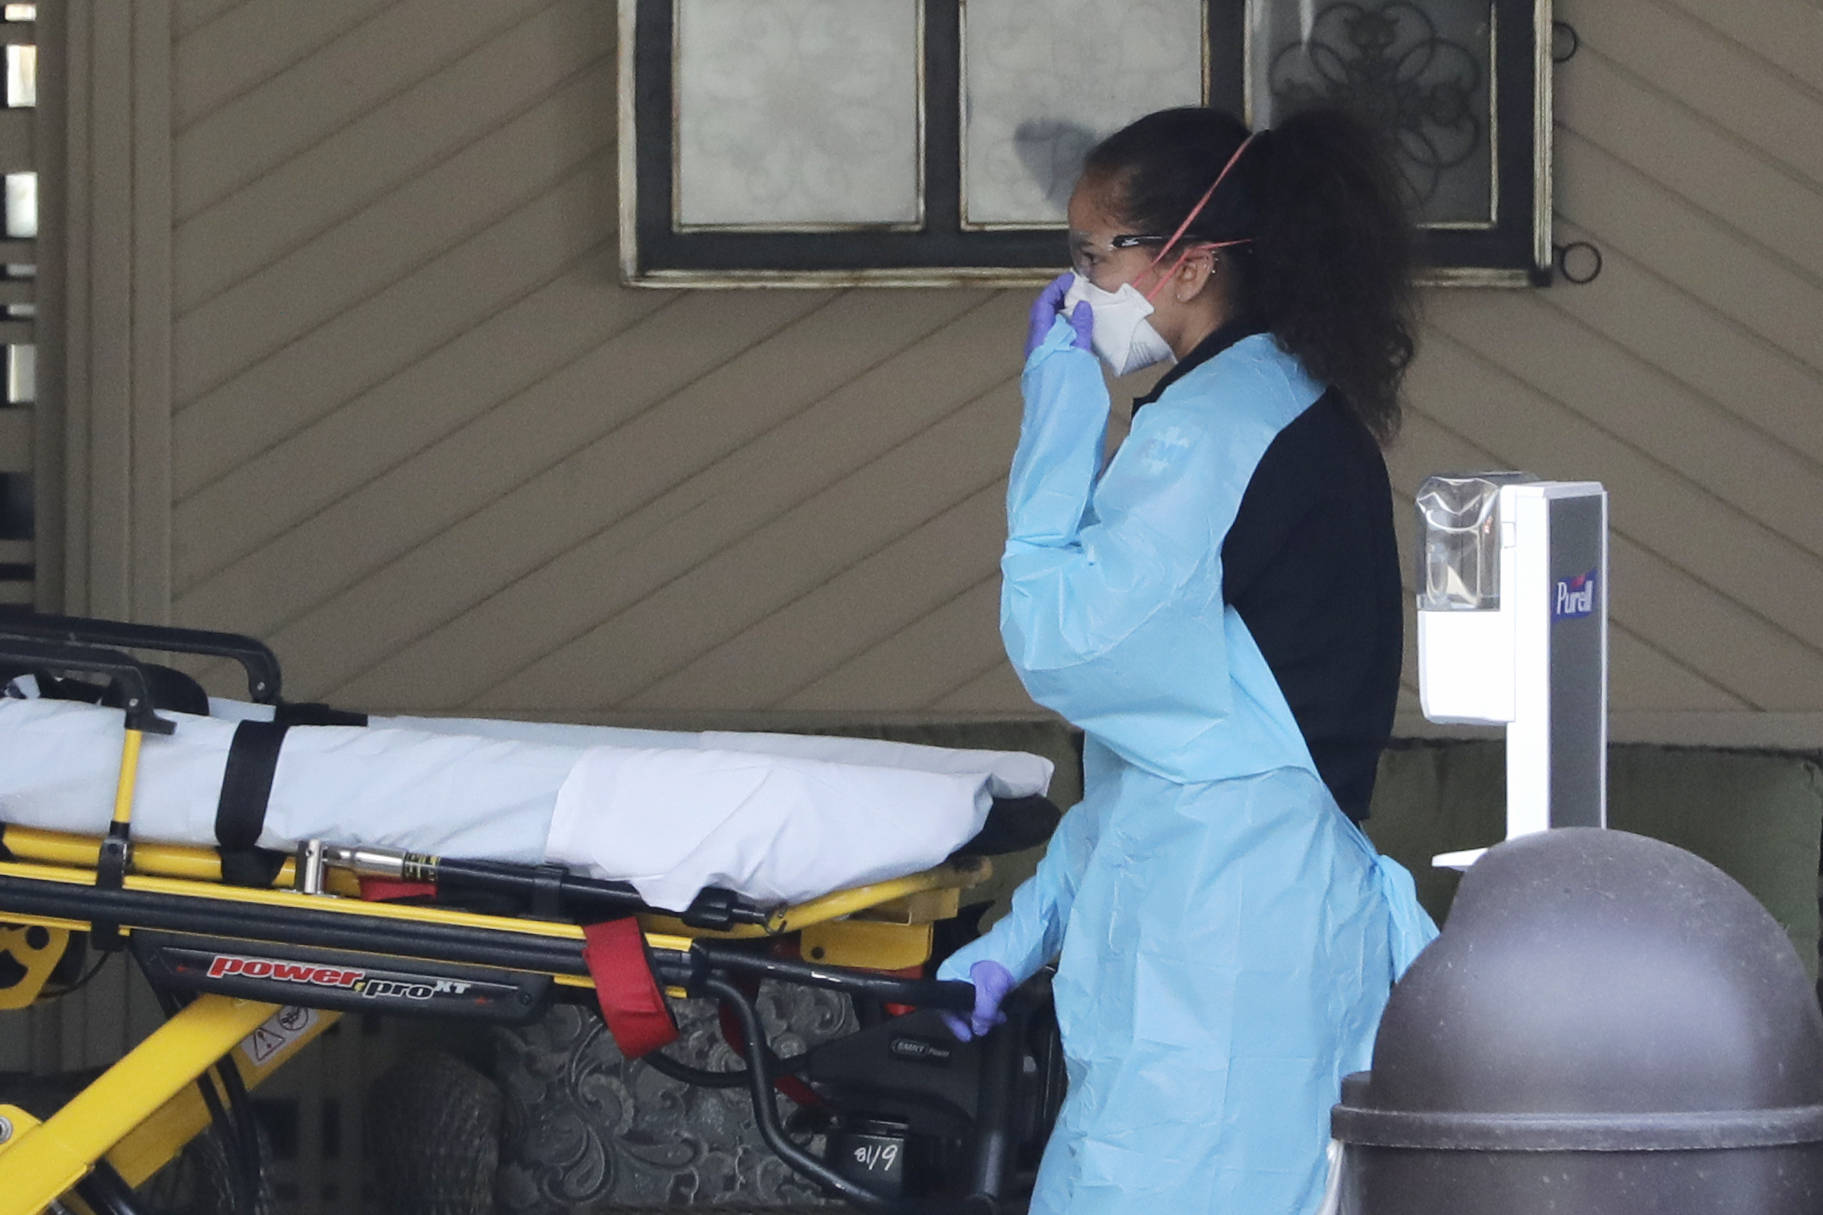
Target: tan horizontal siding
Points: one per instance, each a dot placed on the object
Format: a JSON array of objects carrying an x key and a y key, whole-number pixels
[
  {"x": 426, "y": 445},
  {"x": 293, "y": 109},
  {"x": 887, "y": 397},
  {"x": 231, "y": 52},
  {"x": 1783, "y": 37},
  {"x": 421, "y": 315},
  {"x": 307, "y": 287},
  {"x": 392, "y": 145}
]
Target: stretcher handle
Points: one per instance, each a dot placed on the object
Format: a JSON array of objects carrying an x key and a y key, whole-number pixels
[
  {"x": 766, "y": 1114},
  {"x": 706, "y": 957},
  {"x": 121, "y": 671},
  {"x": 261, "y": 665}
]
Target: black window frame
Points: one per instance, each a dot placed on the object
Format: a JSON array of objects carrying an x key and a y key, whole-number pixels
[{"x": 1514, "y": 251}]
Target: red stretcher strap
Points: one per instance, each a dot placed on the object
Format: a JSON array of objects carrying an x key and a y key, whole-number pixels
[
  {"x": 631, "y": 1002},
  {"x": 383, "y": 890}
]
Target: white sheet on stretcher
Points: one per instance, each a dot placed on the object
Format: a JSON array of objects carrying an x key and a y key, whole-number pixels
[{"x": 778, "y": 818}]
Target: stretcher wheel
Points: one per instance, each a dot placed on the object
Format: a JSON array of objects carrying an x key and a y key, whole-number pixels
[
  {"x": 200, "y": 1181},
  {"x": 434, "y": 1136}
]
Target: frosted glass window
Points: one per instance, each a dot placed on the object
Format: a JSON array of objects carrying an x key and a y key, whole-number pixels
[
  {"x": 21, "y": 12},
  {"x": 1425, "y": 74},
  {"x": 1044, "y": 80},
  {"x": 798, "y": 114},
  {"x": 21, "y": 205}
]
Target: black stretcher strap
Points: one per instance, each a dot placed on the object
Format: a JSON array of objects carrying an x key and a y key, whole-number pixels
[
  {"x": 240, "y": 815},
  {"x": 312, "y": 714}
]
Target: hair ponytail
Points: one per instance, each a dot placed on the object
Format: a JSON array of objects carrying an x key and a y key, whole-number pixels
[
  {"x": 1327, "y": 266},
  {"x": 1330, "y": 271}
]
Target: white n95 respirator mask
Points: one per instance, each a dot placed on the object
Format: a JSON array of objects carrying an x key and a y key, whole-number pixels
[{"x": 1122, "y": 335}]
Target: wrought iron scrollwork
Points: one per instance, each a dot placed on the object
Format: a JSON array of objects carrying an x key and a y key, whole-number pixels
[{"x": 1387, "y": 64}]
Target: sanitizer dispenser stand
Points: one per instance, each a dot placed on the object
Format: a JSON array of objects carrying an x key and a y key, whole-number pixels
[{"x": 1513, "y": 631}]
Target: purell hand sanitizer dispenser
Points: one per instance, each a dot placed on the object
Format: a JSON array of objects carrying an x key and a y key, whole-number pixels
[{"x": 1513, "y": 631}]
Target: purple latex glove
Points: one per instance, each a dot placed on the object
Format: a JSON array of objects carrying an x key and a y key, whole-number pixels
[
  {"x": 1046, "y": 308},
  {"x": 992, "y": 981}
]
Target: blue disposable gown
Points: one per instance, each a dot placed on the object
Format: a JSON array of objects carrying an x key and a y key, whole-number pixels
[{"x": 1225, "y": 937}]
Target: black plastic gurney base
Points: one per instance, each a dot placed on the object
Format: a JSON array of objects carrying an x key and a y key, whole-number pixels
[{"x": 924, "y": 1125}]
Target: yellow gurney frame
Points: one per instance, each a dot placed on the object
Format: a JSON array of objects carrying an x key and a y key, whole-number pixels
[{"x": 167, "y": 902}]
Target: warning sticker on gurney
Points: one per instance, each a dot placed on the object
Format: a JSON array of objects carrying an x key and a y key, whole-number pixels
[{"x": 280, "y": 1030}]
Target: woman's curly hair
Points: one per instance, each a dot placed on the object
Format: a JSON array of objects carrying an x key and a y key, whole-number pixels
[{"x": 1327, "y": 269}]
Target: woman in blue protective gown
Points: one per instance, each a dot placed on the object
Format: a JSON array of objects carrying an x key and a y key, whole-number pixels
[{"x": 1219, "y": 611}]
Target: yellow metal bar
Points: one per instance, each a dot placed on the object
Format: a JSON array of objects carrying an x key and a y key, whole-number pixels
[
  {"x": 160, "y": 860},
  {"x": 967, "y": 871},
  {"x": 961, "y": 873},
  {"x": 34, "y": 963},
  {"x": 867, "y": 944},
  {"x": 157, "y": 1141},
  {"x": 39, "y": 1165},
  {"x": 129, "y": 776}
]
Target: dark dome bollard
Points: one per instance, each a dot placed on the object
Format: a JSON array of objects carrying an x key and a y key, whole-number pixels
[{"x": 1607, "y": 1026}]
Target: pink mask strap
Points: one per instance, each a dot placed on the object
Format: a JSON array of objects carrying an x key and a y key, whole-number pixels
[
  {"x": 1190, "y": 219},
  {"x": 1185, "y": 256}
]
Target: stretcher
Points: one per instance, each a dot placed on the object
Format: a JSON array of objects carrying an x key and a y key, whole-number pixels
[{"x": 254, "y": 953}]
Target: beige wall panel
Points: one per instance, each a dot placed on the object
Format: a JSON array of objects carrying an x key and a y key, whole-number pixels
[
  {"x": 307, "y": 472},
  {"x": 1679, "y": 335},
  {"x": 394, "y": 144},
  {"x": 16, "y": 440},
  {"x": 1713, "y": 542},
  {"x": 17, "y": 140},
  {"x": 889, "y": 589},
  {"x": 466, "y": 473},
  {"x": 1742, "y": 188},
  {"x": 1707, "y": 631},
  {"x": 1641, "y": 408},
  {"x": 188, "y": 15},
  {"x": 589, "y": 566},
  {"x": 922, "y": 662},
  {"x": 1738, "y": 650},
  {"x": 243, "y": 47},
  {"x": 994, "y": 691},
  {"x": 795, "y": 552},
  {"x": 1786, "y": 34},
  {"x": 309, "y": 286},
  {"x": 1744, "y": 281},
  {"x": 1642, "y": 674},
  {"x": 1644, "y": 679},
  {"x": 1690, "y": 64},
  {"x": 420, "y": 315},
  {"x": 318, "y": 95},
  {"x": 114, "y": 541}
]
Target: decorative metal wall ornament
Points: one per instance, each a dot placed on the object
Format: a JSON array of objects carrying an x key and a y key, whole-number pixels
[
  {"x": 1565, "y": 42},
  {"x": 1579, "y": 262},
  {"x": 1471, "y": 115},
  {"x": 1387, "y": 65}
]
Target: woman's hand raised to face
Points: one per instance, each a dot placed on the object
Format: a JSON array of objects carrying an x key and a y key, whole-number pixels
[{"x": 1047, "y": 307}]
